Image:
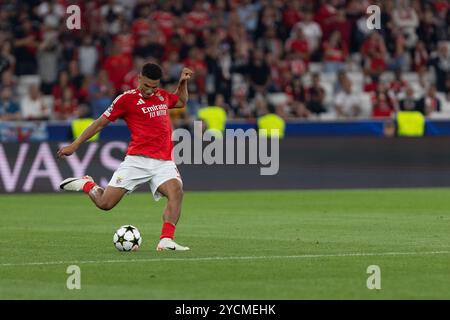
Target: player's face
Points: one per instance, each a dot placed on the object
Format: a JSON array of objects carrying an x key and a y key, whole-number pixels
[{"x": 147, "y": 86}]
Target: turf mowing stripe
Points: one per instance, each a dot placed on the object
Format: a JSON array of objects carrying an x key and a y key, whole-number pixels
[{"x": 305, "y": 256}]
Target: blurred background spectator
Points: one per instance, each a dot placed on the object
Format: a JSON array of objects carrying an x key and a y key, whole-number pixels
[
  {"x": 9, "y": 109},
  {"x": 33, "y": 107},
  {"x": 348, "y": 102}
]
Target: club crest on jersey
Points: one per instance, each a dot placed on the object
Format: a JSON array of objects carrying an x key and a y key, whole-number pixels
[
  {"x": 119, "y": 180},
  {"x": 161, "y": 98}
]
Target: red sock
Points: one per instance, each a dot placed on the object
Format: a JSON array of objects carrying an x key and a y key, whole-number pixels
[
  {"x": 168, "y": 230},
  {"x": 88, "y": 186}
]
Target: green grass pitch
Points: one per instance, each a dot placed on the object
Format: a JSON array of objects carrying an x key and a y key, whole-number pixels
[{"x": 244, "y": 245}]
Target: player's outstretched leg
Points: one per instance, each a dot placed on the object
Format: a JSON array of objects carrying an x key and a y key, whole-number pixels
[
  {"x": 173, "y": 190},
  {"x": 104, "y": 199}
]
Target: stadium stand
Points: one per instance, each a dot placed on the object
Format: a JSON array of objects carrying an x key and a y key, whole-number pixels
[{"x": 239, "y": 49}]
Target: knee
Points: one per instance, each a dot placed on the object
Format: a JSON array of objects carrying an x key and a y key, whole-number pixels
[{"x": 176, "y": 194}]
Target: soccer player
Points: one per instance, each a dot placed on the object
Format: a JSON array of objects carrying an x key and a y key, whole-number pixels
[{"x": 149, "y": 155}]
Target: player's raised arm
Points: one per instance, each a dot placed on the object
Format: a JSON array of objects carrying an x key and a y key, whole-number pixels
[
  {"x": 182, "y": 90},
  {"x": 90, "y": 131}
]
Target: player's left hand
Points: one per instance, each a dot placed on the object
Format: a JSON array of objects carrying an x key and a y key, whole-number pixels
[
  {"x": 186, "y": 74},
  {"x": 66, "y": 151}
]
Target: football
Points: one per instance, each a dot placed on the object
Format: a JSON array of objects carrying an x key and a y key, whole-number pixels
[{"x": 127, "y": 238}]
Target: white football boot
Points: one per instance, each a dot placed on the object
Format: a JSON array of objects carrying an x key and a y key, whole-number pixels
[
  {"x": 75, "y": 184},
  {"x": 169, "y": 244}
]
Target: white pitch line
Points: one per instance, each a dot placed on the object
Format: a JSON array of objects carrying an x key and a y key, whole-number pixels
[{"x": 304, "y": 256}]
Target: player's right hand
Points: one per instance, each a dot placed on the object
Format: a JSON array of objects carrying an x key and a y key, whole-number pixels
[{"x": 66, "y": 151}]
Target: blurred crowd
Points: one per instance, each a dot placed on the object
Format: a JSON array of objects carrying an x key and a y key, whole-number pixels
[{"x": 297, "y": 58}]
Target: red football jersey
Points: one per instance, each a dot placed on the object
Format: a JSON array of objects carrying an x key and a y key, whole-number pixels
[{"x": 148, "y": 121}]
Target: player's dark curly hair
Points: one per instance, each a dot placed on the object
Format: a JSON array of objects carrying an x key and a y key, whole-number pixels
[{"x": 152, "y": 71}]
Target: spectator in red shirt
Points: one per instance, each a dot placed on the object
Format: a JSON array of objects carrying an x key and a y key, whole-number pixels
[
  {"x": 164, "y": 19},
  {"x": 130, "y": 81},
  {"x": 420, "y": 57},
  {"x": 382, "y": 104},
  {"x": 326, "y": 14},
  {"x": 344, "y": 25},
  {"x": 398, "y": 85},
  {"x": 292, "y": 14},
  {"x": 277, "y": 71},
  {"x": 66, "y": 108},
  {"x": 141, "y": 25},
  {"x": 374, "y": 53},
  {"x": 125, "y": 39},
  {"x": 370, "y": 85},
  {"x": 198, "y": 18},
  {"x": 311, "y": 30},
  {"x": 117, "y": 65},
  {"x": 335, "y": 53},
  {"x": 63, "y": 83},
  {"x": 298, "y": 44}
]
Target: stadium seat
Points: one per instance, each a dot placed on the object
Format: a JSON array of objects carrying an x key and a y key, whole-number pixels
[
  {"x": 445, "y": 104},
  {"x": 24, "y": 83},
  {"x": 277, "y": 98},
  {"x": 357, "y": 80},
  {"x": 328, "y": 87},
  {"x": 306, "y": 79},
  {"x": 418, "y": 89},
  {"x": 366, "y": 105},
  {"x": 356, "y": 77},
  {"x": 50, "y": 102},
  {"x": 328, "y": 116},
  {"x": 387, "y": 76},
  {"x": 410, "y": 77},
  {"x": 439, "y": 116},
  {"x": 329, "y": 77},
  {"x": 315, "y": 67},
  {"x": 237, "y": 82}
]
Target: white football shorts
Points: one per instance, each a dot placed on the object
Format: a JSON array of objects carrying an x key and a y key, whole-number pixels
[{"x": 137, "y": 170}]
